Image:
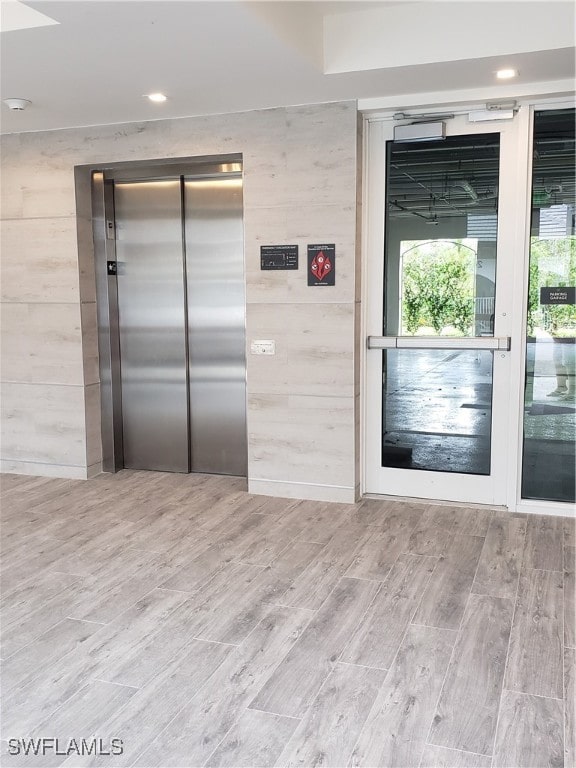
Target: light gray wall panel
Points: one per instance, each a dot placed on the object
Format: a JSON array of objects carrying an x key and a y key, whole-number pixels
[
  {"x": 41, "y": 343},
  {"x": 314, "y": 349},
  {"x": 300, "y": 225},
  {"x": 44, "y": 424},
  {"x": 301, "y": 439},
  {"x": 300, "y": 184},
  {"x": 40, "y": 260}
]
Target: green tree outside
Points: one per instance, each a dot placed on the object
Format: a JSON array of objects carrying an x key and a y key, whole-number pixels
[{"x": 438, "y": 287}]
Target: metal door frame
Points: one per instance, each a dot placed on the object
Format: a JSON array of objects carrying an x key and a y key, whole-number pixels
[
  {"x": 490, "y": 489},
  {"x": 515, "y": 500},
  {"x": 372, "y": 236},
  {"x": 102, "y": 177}
]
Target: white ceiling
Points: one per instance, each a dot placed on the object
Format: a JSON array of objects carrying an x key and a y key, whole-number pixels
[
  {"x": 15, "y": 15},
  {"x": 95, "y": 64}
]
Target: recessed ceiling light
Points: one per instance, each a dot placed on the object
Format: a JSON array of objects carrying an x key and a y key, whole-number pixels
[
  {"x": 157, "y": 97},
  {"x": 506, "y": 74}
]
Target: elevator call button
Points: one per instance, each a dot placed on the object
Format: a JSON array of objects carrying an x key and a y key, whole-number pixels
[{"x": 278, "y": 257}]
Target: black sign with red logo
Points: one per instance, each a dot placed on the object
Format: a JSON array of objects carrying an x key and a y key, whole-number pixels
[{"x": 322, "y": 264}]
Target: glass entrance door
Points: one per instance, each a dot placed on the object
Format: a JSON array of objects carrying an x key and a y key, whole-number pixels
[{"x": 439, "y": 320}]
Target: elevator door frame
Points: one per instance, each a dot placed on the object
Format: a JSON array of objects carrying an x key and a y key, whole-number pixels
[{"x": 103, "y": 178}]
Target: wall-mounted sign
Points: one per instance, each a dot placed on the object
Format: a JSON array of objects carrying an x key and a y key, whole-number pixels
[
  {"x": 322, "y": 264},
  {"x": 278, "y": 257},
  {"x": 558, "y": 295}
]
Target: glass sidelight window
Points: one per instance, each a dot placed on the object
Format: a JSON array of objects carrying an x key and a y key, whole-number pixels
[{"x": 549, "y": 460}]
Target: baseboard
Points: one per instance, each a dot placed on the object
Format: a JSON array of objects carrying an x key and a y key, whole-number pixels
[
  {"x": 307, "y": 491},
  {"x": 433, "y": 502},
  {"x": 38, "y": 469},
  {"x": 555, "y": 509}
]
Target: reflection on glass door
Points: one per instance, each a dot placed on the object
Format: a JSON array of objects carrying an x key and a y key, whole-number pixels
[
  {"x": 439, "y": 292},
  {"x": 550, "y": 396},
  {"x": 438, "y": 410}
]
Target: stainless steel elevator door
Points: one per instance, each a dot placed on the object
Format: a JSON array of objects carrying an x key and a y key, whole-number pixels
[
  {"x": 216, "y": 324},
  {"x": 151, "y": 310}
]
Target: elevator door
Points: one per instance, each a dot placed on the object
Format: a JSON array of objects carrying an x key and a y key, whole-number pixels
[
  {"x": 181, "y": 309},
  {"x": 151, "y": 313},
  {"x": 216, "y": 334}
]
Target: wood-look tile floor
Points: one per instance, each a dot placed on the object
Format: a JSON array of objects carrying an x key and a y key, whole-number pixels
[{"x": 203, "y": 626}]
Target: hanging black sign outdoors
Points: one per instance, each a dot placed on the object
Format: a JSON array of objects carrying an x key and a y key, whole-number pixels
[
  {"x": 558, "y": 295},
  {"x": 322, "y": 264}
]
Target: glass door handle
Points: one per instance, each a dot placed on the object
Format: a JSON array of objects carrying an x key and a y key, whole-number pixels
[{"x": 439, "y": 342}]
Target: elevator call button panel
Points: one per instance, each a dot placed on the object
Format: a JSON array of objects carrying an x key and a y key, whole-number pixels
[{"x": 278, "y": 257}]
